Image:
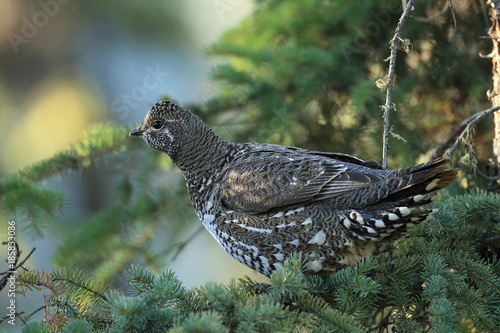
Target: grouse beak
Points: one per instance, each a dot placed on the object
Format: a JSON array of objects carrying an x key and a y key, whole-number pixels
[{"x": 137, "y": 131}]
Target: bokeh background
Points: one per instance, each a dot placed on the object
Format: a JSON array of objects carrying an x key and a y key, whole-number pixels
[
  {"x": 300, "y": 73},
  {"x": 65, "y": 65}
]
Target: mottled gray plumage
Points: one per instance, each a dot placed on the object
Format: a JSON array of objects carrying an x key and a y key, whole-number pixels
[{"x": 263, "y": 202}]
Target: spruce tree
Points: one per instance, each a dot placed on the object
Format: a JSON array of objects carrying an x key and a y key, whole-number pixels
[{"x": 305, "y": 73}]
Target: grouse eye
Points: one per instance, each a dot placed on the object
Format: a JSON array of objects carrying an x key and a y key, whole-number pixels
[{"x": 157, "y": 124}]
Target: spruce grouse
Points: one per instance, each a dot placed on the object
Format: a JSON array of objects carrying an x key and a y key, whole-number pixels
[{"x": 262, "y": 202}]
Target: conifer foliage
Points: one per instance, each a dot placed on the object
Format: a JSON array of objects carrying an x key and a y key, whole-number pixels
[{"x": 295, "y": 72}]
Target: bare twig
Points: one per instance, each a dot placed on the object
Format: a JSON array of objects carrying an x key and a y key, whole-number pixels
[
  {"x": 489, "y": 37},
  {"x": 12, "y": 270},
  {"x": 486, "y": 177},
  {"x": 469, "y": 124},
  {"x": 395, "y": 42},
  {"x": 17, "y": 314},
  {"x": 16, "y": 265},
  {"x": 180, "y": 246},
  {"x": 453, "y": 14},
  {"x": 460, "y": 129},
  {"x": 447, "y": 5},
  {"x": 32, "y": 314}
]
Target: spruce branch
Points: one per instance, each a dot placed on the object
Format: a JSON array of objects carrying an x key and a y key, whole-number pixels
[
  {"x": 82, "y": 288},
  {"x": 395, "y": 42},
  {"x": 96, "y": 142},
  {"x": 138, "y": 243}
]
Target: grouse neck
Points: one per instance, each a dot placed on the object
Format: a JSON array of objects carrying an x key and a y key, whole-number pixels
[{"x": 204, "y": 157}]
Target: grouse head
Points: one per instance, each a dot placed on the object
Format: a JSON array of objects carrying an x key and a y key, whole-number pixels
[{"x": 173, "y": 130}]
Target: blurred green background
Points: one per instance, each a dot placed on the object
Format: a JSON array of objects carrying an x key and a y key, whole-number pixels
[
  {"x": 65, "y": 65},
  {"x": 297, "y": 72}
]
